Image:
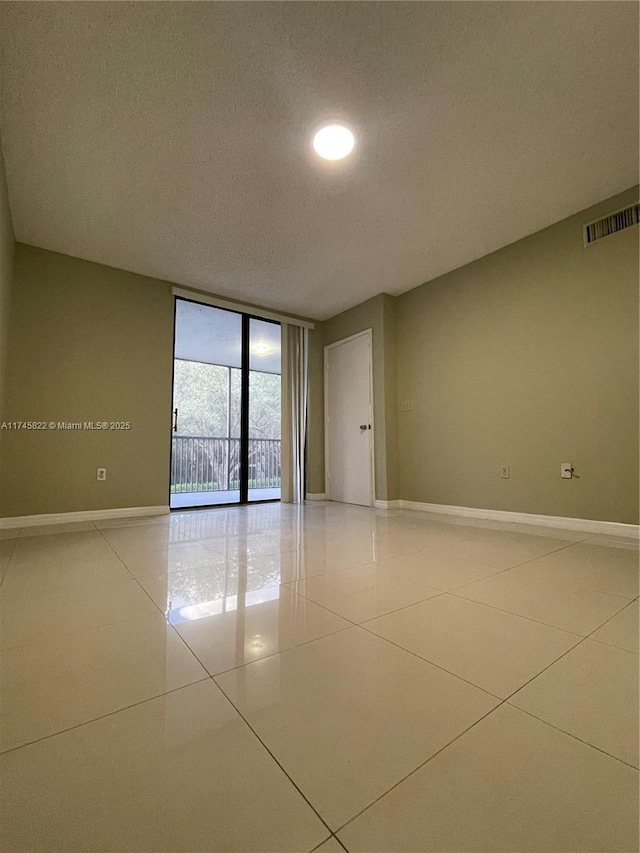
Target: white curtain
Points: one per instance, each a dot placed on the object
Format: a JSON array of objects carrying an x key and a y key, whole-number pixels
[{"x": 295, "y": 363}]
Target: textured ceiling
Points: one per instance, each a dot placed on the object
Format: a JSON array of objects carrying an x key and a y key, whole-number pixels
[{"x": 172, "y": 139}]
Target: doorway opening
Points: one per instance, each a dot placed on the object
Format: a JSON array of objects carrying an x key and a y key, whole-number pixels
[{"x": 225, "y": 440}]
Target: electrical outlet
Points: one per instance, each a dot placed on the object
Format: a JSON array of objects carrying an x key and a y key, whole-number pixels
[
  {"x": 505, "y": 471},
  {"x": 566, "y": 470},
  {"x": 102, "y": 474}
]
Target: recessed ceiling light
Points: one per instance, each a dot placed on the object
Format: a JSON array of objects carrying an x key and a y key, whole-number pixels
[{"x": 333, "y": 142}]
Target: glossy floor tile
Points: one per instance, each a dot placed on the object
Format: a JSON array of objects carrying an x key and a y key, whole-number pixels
[
  {"x": 48, "y": 529},
  {"x": 50, "y": 686},
  {"x": 200, "y": 590},
  {"x": 557, "y": 603},
  {"x": 289, "y": 566},
  {"x": 350, "y": 715},
  {"x": 330, "y": 846},
  {"x": 437, "y": 569},
  {"x": 182, "y": 556},
  {"x": 244, "y": 546},
  {"x": 591, "y": 693},
  {"x": 136, "y": 539},
  {"x": 35, "y": 574},
  {"x": 43, "y": 616},
  {"x": 366, "y": 656},
  {"x": 509, "y": 784},
  {"x": 613, "y": 570},
  {"x": 363, "y": 592},
  {"x": 505, "y": 549},
  {"x": 57, "y": 547},
  {"x": 496, "y": 651},
  {"x": 622, "y": 631},
  {"x": 437, "y": 535},
  {"x": 7, "y": 547},
  {"x": 252, "y": 625},
  {"x": 179, "y": 773}
]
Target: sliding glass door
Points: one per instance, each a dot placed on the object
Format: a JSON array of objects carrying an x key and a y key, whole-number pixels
[{"x": 226, "y": 407}]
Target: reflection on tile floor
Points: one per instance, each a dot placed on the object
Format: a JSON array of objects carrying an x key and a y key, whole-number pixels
[{"x": 321, "y": 677}]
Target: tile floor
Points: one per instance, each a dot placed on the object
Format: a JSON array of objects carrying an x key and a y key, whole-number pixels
[{"x": 321, "y": 678}]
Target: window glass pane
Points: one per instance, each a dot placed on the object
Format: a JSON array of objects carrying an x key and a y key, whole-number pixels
[
  {"x": 205, "y": 452},
  {"x": 264, "y": 410}
]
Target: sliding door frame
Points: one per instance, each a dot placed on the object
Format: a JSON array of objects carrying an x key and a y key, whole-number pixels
[
  {"x": 246, "y": 319},
  {"x": 244, "y": 413}
]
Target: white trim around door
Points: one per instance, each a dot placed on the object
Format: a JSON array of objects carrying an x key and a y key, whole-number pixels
[{"x": 367, "y": 334}]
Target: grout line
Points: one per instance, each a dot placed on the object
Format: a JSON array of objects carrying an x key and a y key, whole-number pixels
[
  {"x": 335, "y": 838},
  {"x": 540, "y": 556},
  {"x": 613, "y": 616},
  {"x": 368, "y": 619},
  {"x": 257, "y": 736},
  {"x": 333, "y": 834},
  {"x": 432, "y": 663},
  {"x": 537, "y": 621},
  {"x": 11, "y": 553},
  {"x": 78, "y": 631},
  {"x": 101, "y": 717},
  {"x": 133, "y": 577},
  {"x": 272, "y": 655},
  {"x": 318, "y": 846},
  {"x": 169, "y": 625},
  {"x": 544, "y": 669},
  {"x": 571, "y": 735},
  {"x": 612, "y": 645},
  {"x": 503, "y": 702},
  {"x": 573, "y": 648},
  {"x": 421, "y": 765}
]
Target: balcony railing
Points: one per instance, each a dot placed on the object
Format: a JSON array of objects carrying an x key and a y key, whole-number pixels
[{"x": 205, "y": 464}]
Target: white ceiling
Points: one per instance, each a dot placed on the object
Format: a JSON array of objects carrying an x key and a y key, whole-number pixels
[{"x": 172, "y": 139}]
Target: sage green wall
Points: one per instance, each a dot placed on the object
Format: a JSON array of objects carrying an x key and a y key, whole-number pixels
[
  {"x": 390, "y": 400},
  {"x": 87, "y": 343},
  {"x": 375, "y": 314},
  {"x": 526, "y": 357},
  {"x": 6, "y": 278}
]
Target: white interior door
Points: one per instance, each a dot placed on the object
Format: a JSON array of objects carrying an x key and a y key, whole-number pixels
[{"x": 348, "y": 421}]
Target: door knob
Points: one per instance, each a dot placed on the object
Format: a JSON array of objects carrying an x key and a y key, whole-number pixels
[{"x": 363, "y": 427}]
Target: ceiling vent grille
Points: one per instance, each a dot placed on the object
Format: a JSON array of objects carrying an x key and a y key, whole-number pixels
[{"x": 608, "y": 225}]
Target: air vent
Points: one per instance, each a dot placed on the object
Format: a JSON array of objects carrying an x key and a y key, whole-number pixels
[{"x": 608, "y": 225}]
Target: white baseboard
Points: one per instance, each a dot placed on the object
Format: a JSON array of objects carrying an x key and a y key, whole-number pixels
[
  {"x": 86, "y": 515},
  {"x": 388, "y": 504},
  {"x": 581, "y": 524}
]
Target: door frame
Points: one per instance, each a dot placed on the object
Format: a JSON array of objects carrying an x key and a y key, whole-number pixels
[
  {"x": 368, "y": 334},
  {"x": 246, "y": 318}
]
